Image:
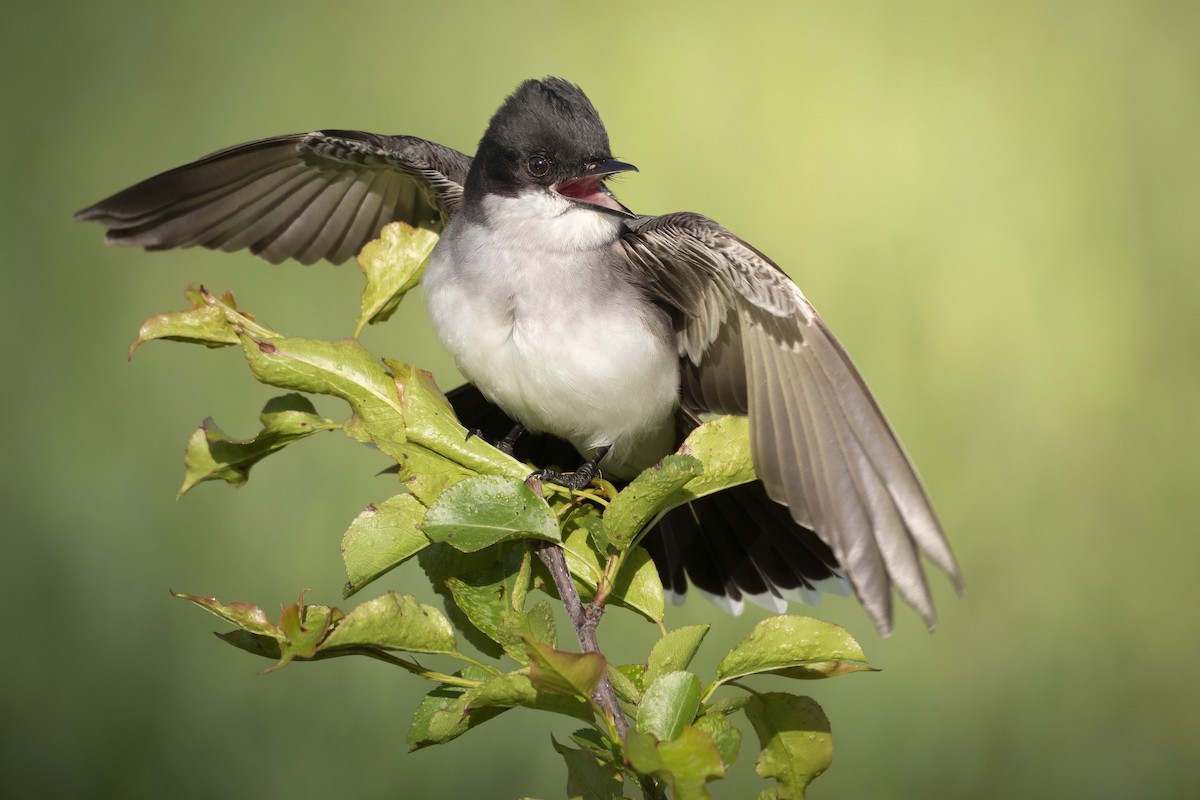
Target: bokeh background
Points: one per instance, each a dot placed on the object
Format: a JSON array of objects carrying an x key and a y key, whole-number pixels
[{"x": 994, "y": 205}]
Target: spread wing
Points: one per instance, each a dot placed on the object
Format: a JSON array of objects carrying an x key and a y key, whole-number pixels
[
  {"x": 750, "y": 343},
  {"x": 305, "y": 196}
]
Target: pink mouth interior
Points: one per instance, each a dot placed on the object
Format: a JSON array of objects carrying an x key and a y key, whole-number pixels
[{"x": 589, "y": 190}]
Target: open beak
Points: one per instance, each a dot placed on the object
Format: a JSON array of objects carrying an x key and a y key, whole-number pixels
[{"x": 589, "y": 188}]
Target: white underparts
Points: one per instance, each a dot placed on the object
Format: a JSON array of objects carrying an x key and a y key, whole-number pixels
[{"x": 527, "y": 301}]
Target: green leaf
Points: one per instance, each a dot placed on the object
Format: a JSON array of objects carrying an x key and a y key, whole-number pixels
[
  {"x": 342, "y": 369},
  {"x": 426, "y": 474},
  {"x": 728, "y": 705},
  {"x": 558, "y": 672},
  {"x": 246, "y": 616},
  {"x": 517, "y": 626},
  {"x": 392, "y": 264},
  {"x": 253, "y": 643},
  {"x": 725, "y": 736},
  {"x": 598, "y": 744},
  {"x": 211, "y": 455},
  {"x": 394, "y": 622},
  {"x": 795, "y": 647},
  {"x": 641, "y": 500},
  {"x": 793, "y": 733},
  {"x": 515, "y": 689},
  {"x": 588, "y": 777},
  {"x": 675, "y": 650},
  {"x": 487, "y": 509},
  {"x": 479, "y": 579},
  {"x": 430, "y": 422},
  {"x": 380, "y": 538},
  {"x": 443, "y": 716},
  {"x": 637, "y": 586},
  {"x": 685, "y": 764},
  {"x": 203, "y": 323},
  {"x": 518, "y": 583},
  {"x": 723, "y": 446},
  {"x": 627, "y": 681},
  {"x": 669, "y": 704},
  {"x": 304, "y": 628}
]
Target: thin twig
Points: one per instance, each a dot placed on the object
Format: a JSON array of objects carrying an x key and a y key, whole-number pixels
[{"x": 584, "y": 622}]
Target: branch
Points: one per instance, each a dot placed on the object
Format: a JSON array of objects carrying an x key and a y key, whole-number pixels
[{"x": 584, "y": 622}]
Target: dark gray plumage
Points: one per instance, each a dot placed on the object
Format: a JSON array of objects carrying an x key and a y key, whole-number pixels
[
  {"x": 305, "y": 196},
  {"x": 746, "y": 339}
]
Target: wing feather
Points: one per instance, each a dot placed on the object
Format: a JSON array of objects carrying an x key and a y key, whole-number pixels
[
  {"x": 750, "y": 342},
  {"x": 307, "y": 196}
]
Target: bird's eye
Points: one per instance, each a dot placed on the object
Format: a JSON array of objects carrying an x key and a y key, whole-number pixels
[{"x": 539, "y": 166}]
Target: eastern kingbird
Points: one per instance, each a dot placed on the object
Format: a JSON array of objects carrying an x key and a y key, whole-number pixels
[{"x": 608, "y": 329}]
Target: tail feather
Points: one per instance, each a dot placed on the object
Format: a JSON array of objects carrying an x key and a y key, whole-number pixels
[{"x": 733, "y": 546}]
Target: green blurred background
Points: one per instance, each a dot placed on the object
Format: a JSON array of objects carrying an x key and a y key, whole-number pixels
[{"x": 994, "y": 205}]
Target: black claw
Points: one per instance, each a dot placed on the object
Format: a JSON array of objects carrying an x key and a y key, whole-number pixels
[
  {"x": 579, "y": 478},
  {"x": 507, "y": 444},
  {"x": 475, "y": 432}
]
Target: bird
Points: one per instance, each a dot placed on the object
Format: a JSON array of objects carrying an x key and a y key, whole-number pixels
[{"x": 575, "y": 319}]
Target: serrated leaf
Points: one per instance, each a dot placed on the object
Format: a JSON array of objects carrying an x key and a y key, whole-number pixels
[
  {"x": 685, "y": 764},
  {"x": 442, "y": 715},
  {"x": 724, "y": 735},
  {"x": 426, "y": 474},
  {"x": 590, "y": 520},
  {"x": 393, "y": 622},
  {"x": 254, "y": 643},
  {"x": 637, "y": 586},
  {"x": 795, "y": 647},
  {"x": 675, "y": 650},
  {"x": 202, "y": 323},
  {"x": 381, "y": 538},
  {"x": 342, "y": 369},
  {"x": 211, "y": 455},
  {"x": 670, "y": 703},
  {"x": 517, "y": 584},
  {"x": 481, "y": 573},
  {"x": 515, "y": 689},
  {"x": 392, "y": 264},
  {"x": 728, "y": 705},
  {"x": 627, "y": 681},
  {"x": 559, "y": 672},
  {"x": 481, "y": 511},
  {"x": 304, "y": 628},
  {"x": 430, "y": 423},
  {"x": 246, "y": 616},
  {"x": 723, "y": 446},
  {"x": 588, "y": 778},
  {"x": 794, "y": 735},
  {"x": 638, "y": 503},
  {"x": 517, "y": 626},
  {"x": 595, "y": 742}
]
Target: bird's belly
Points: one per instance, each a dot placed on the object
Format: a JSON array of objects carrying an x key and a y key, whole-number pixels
[{"x": 592, "y": 372}]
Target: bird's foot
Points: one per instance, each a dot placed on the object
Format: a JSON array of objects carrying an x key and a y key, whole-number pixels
[
  {"x": 579, "y": 478},
  {"x": 504, "y": 445},
  {"x": 507, "y": 444}
]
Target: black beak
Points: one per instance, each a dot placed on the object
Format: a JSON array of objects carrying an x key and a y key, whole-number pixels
[
  {"x": 608, "y": 166},
  {"x": 589, "y": 187}
]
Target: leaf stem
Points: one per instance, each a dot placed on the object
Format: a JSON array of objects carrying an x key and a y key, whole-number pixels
[{"x": 411, "y": 666}]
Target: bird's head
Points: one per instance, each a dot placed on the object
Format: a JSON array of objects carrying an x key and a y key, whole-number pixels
[{"x": 548, "y": 136}]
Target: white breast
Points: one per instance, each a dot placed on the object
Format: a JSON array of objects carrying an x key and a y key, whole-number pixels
[{"x": 533, "y": 317}]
